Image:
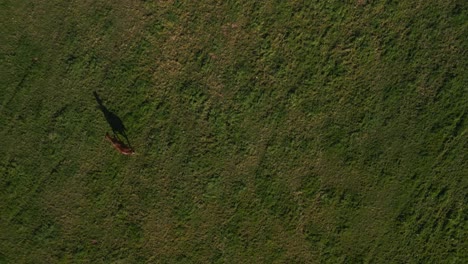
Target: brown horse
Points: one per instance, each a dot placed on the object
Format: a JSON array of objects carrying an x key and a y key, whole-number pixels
[{"x": 119, "y": 145}]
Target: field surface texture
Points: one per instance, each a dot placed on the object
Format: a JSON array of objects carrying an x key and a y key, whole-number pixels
[{"x": 265, "y": 131}]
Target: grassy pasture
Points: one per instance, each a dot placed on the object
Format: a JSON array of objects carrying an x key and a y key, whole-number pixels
[{"x": 266, "y": 132}]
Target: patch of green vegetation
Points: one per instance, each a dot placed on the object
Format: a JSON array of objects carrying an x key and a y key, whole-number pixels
[{"x": 276, "y": 132}]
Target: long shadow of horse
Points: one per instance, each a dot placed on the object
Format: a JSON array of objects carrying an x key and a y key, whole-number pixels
[{"x": 116, "y": 124}]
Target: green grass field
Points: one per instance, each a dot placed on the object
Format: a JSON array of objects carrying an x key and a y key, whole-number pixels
[{"x": 265, "y": 131}]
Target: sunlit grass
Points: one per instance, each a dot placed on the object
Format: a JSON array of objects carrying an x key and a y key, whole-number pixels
[{"x": 285, "y": 132}]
